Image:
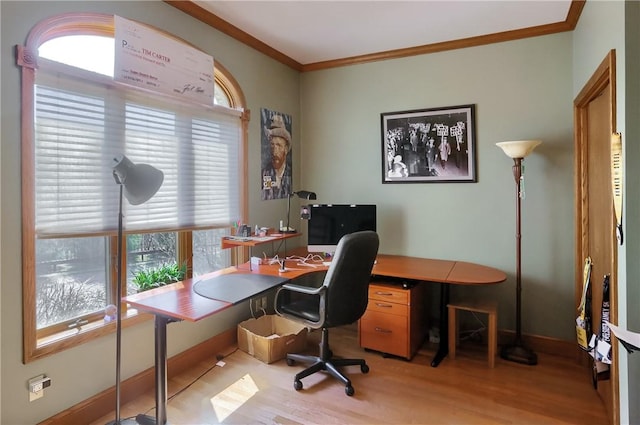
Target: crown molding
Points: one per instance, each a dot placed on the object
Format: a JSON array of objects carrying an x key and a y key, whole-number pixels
[{"x": 225, "y": 27}]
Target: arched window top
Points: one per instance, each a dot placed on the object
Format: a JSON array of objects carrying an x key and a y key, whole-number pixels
[
  {"x": 52, "y": 37},
  {"x": 90, "y": 52}
]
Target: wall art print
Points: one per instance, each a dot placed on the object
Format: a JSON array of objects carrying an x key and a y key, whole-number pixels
[
  {"x": 429, "y": 145},
  {"x": 276, "y": 176}
]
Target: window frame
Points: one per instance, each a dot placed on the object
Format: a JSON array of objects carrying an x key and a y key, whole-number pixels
[{"x": 38, "y": 344}]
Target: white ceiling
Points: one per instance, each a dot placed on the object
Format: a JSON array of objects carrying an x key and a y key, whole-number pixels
[{"x": 310, "y": 31}]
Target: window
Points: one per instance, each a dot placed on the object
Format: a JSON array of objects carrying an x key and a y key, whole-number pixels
[{"x": 81, "y": 119}]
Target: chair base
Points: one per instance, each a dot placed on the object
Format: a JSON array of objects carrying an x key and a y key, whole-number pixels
[{"x": 325, "y": 362}]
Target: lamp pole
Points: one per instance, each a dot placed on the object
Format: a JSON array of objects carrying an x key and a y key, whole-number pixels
[
  {"x": 517, "y": 174},
  {"x": 288, "y": 211},
  {"x": 118, "y": 302}
]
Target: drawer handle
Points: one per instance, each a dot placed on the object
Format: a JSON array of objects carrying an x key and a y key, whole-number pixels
[
  {"x": 384, "y": 331},
  {"x": 386, "y": 294},
  {"x": 384, "y": 305}
]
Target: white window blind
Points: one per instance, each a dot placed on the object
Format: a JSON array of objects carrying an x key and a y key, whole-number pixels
[{"x": 83, "y": 120}]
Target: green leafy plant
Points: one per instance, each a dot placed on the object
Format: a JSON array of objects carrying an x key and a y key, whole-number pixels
[{"x": 159, "y": 276}]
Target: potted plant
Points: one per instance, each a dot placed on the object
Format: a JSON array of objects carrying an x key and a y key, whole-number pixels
[{"x": 155, "y": 277}]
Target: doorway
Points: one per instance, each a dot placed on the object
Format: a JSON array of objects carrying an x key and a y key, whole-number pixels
[{"x": 594, "y": 123}]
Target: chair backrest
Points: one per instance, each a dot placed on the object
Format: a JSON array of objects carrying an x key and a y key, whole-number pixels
[{"x": 347, "y": 280}]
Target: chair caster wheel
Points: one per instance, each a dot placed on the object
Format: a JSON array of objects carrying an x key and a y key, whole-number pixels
[
  {"x": 290, "y": 362},
  {"x": 364, "y": 368},
  {"x": 297, "y": 384},
  {"x": 349, "y": 390}
]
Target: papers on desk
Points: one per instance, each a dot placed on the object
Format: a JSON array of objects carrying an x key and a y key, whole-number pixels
[
  {"x": 630, "y": 340},
  {"x": 263, "y": 238},
  {"x": 250, "y": 238}
]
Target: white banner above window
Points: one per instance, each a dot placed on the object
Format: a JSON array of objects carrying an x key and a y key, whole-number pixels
[{"x": 147, "y": 58}]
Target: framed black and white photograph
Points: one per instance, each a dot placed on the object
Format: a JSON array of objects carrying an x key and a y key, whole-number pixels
[{"x": 429, "y": 145}]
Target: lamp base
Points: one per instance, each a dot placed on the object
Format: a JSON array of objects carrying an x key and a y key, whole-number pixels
[
  {"x": 145, "y": 419},
  {"x": 519, "y": 354},
  {"x": 127, "y": 421}
]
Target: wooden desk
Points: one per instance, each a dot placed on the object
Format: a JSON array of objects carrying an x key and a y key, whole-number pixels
[
  {"x": 179, "y": 301},
  {"x": 176, "y": 302},
  {"x": 441, "y": 271},
  {"x": 445, "y": 272}
]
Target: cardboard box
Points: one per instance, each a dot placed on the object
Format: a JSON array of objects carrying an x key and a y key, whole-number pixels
[{"x": 269, "y": 338}]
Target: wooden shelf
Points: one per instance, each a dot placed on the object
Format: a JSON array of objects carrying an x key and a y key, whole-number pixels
[{"x": 249, "y": 241}]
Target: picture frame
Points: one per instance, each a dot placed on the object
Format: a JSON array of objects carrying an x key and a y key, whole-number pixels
[{"x": 434, "y": 145}]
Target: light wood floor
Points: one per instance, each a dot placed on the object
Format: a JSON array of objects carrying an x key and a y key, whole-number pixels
[{"x": 461, "y": 391}]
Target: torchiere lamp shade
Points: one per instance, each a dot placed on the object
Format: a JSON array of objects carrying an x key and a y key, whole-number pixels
[{"x": 518, "y": 148}]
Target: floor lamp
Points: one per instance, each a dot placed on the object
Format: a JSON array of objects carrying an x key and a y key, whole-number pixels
[
  {"x": 138, "y": 183},
  {"x": 302, "y": 194},
  {"x": 518, "y": 150}
]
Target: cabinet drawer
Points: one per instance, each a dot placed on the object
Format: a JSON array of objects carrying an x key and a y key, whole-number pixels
[
  {"x": 384, "y": 332},
  {"x": 387, "y": 292},
  {"x": 385, "y": 306}
]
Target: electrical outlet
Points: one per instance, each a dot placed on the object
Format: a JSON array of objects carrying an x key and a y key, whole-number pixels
[
  {"x": 257, "y": 304},
  {"x": 35, "y": 387}
]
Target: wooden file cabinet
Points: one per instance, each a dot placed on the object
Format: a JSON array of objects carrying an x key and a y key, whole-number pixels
[{"x": 395, "y": 321}]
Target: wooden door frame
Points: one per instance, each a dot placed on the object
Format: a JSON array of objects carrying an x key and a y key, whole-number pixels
[{"x": 603, "y": 78}]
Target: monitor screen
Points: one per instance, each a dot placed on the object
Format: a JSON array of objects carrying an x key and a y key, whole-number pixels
[{"x": 328, "y": 223}]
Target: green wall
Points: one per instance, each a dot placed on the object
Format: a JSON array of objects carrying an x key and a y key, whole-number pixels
[{"x": 517, "y": 96}]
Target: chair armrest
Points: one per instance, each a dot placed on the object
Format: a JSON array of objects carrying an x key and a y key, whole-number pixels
[{"x": 304, "y": 289}]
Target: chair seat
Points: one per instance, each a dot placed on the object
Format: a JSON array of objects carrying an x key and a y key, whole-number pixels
[{"x": 305, "y": 309}]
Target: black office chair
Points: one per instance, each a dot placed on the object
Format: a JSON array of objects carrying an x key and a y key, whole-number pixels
[{"x": 340, "y": 300}]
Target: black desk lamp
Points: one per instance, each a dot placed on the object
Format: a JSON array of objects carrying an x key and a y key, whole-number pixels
[
  {"x": 138, "y": 183},
  {"x": 302, "y": 194},
  {"x": 518, "y": 150}
]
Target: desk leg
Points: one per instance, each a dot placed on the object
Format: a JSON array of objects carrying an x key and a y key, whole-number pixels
[
  {"x": 443, "y": 345},
  {"x": 161, "y": 369},
  {"x": 161, "y": 374}
]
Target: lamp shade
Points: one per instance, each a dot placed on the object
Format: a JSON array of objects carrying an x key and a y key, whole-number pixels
[
  {"x": 140, "y": 181},
  {"x": 518, "y": 148},
  {"x": 305, "y": 194}
]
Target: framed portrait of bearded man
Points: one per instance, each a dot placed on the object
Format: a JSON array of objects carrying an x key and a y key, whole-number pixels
[{"x": 276, "y": 176}]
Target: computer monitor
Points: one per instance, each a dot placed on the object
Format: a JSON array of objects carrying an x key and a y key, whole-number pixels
[{"x": 328, "y": 223}]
